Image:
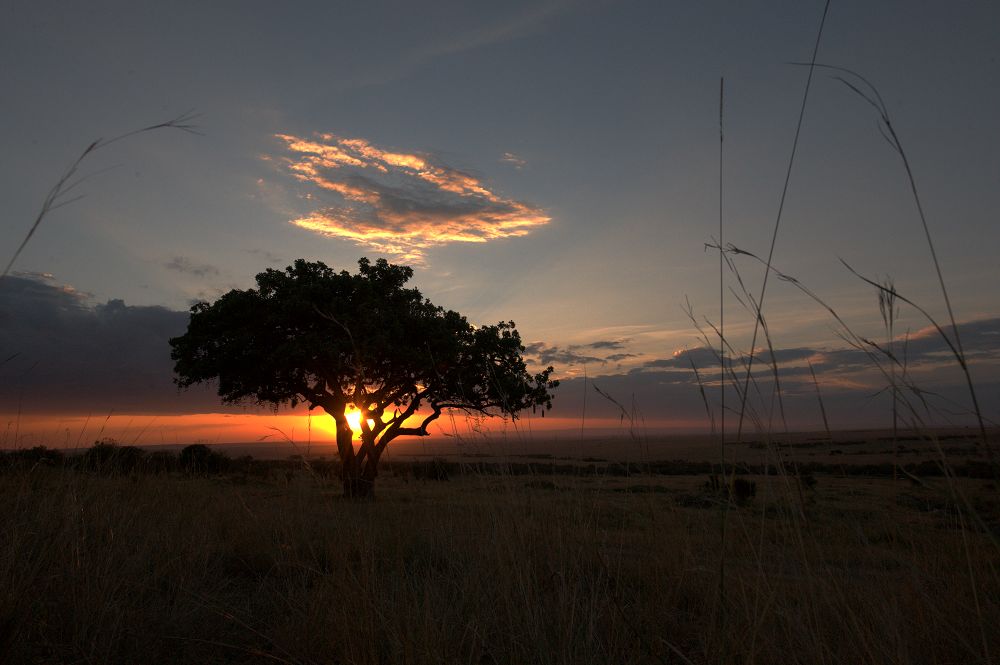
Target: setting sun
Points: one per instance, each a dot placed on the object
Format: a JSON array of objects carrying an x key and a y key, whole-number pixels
[
  {"x": 329, "y": 425},
  {"x": 354, "y": 420}
]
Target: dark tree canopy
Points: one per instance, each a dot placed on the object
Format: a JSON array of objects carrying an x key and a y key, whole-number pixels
[{"x": 338, "y": 340}]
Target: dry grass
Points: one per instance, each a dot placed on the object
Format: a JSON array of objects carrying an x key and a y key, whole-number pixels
[{"x": 488, "y": 570}]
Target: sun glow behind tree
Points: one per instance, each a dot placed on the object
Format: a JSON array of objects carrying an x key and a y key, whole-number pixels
[
  {"x": 338, "y": 341},
  {"x": 353, "y": 416}
]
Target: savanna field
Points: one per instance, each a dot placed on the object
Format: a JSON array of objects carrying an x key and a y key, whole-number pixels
[{"x": 466, "y": 563}]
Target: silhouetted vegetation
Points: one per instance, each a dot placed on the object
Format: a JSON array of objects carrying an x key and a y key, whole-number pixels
[
  {"x": 732, "y": 488},
  {"x": 341, "y": 342},
  {"x": 109, "y": 457},
  {"x": 435, "y": 469},
  {"x": 199, "y": 458},
  {"x": 31, "y": 456}
]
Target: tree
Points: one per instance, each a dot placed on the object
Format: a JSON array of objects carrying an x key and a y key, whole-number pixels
[{"x": 343, "y": 341}]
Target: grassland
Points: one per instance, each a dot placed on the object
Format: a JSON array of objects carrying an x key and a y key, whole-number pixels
[{"x": 485, "y": 568}]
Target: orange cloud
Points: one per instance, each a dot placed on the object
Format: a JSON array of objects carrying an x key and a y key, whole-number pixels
[{"x": 400, "y": 203}]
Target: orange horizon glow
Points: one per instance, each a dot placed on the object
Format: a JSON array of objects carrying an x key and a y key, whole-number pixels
[{"x": 294, "y": 429}]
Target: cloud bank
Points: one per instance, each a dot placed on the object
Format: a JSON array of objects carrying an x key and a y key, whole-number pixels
[
  {"x": 61, "y": 354},
  {"x": 855, "y": 390},
  {"x": 401, "y": 204},
  {"x": 921, "y": 350}
]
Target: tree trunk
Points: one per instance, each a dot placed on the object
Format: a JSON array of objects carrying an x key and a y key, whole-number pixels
[
  {"x": 356, "y": 484},
  {"x": 359, "y": 478}
]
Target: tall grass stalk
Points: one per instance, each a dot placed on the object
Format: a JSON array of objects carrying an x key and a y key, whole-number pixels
[
  {"x": 870, "y": 94},
  {"x": 917, "y": 412},
  {"x": 889, "y": 310},
  {"x": 872, "y": 350},
  {"x": 822, "y": 408},
  {"x": 781, "y": 202},
  {"x": 708, "y": 407},
  {"x": 724, "y": 508},
  {"x": 59, "y": 195},
  {"x": 956, "y": 351},
  {"x": 734, "y": 381}
]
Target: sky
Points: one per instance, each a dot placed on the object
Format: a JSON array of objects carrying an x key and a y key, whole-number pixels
[{"x": 555, "y": 163}]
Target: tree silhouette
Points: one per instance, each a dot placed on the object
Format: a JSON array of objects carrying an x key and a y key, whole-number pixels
[{"x": 343, "y": 341}]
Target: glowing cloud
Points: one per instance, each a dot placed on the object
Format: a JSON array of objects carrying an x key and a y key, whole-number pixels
[{"x": 399, "y": 203}]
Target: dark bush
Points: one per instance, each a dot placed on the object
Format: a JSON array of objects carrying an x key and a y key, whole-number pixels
[
  {"x": 161, "y": 461},
  {"x": 199, "y": 458},
  {"x": 435, "y": 469},
  {"x": 739, "y": 490},
  {"x": 31, "y": 457},
  {"x": 743, "y": 490},
  {"x": 108, "y": 457}
]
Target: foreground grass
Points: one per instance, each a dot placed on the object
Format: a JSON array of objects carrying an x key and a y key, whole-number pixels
[{"x": 491, "y": 570}]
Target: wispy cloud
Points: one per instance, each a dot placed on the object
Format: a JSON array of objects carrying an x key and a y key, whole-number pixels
[
  {"x": 619, "y": 357},
  {"x": 541, "y": 353},
  {"x": 460, "y": 38},
  {"x": 265, "y": 254},
  {"x": 612, "y": 344},
  {"x": 399, "y": 203},
  {"x": 513, "y": 160},
  {"x": 185, "y": 265}
]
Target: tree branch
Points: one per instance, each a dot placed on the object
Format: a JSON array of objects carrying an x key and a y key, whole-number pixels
[
  {"x": 398, "y": 430},
  {"x": 422, "y": 429},
  {"x": 385, "y": 400},
  {"x": 395, "y": 424},
  {"x": 318, "y": 395}
]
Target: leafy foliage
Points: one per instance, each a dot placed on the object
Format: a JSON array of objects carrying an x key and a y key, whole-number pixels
[{"x": 335, "y": 340}]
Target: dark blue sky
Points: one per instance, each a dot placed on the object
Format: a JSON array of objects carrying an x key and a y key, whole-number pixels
[{"x": 599, "y": 118}]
